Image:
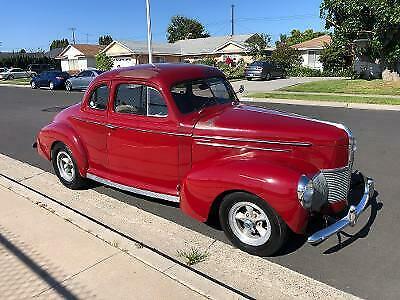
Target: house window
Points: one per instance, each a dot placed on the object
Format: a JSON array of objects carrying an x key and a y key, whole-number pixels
[{"x": 159, "y": 59}]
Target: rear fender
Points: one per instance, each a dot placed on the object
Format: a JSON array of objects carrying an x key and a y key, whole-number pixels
[
  {"x": 60, "y": 132},
  {"x": 273, "y": 181}
]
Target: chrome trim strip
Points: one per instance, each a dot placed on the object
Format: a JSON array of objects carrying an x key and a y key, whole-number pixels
[
  {"x": 147, "y": 193},
  {"x": 350, "y": 219},
  {"x": 252, "y": 140},
  {"x": 111, "y": 126},
  {"x": 240, "y": 147}
]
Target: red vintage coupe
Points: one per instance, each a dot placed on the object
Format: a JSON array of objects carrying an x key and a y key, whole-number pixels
[{"x": 177, "y": 132}]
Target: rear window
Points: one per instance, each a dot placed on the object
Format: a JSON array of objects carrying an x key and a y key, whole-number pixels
[{"x": 257, "y": 64}]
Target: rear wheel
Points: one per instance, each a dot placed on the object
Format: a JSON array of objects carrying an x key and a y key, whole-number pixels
[
  {"x": 10, "y": 77},
  {"x": 66, "y": 168},
  {"x": 251, "y": 224},
  {"x": 68, "y": 86},
  {"x": 51, "y": 85},
  {"x": 268, "y": 76},
  {"x": 33, "y": 85}
]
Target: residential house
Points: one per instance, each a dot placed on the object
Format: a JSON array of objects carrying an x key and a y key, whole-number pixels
[
  {"x": 130, "y": 53},
  {"x": 78, "y": 57},
  {"x": 311, "y": 50}
]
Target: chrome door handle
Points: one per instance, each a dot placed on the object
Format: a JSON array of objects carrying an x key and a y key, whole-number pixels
[{"x": 110, "y": 126}]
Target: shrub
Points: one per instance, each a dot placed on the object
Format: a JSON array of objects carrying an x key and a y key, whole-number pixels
[
  {"x": 232, "y": 71},
  {"x": 301, "y": 71},
  {"x": 103, "y": 62}
]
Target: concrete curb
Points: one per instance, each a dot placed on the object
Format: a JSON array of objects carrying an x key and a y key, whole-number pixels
[
  {"x": 254, "y": 276},
  {"x": 157, "y": 262},
  {"x": 324, "y": 103}
]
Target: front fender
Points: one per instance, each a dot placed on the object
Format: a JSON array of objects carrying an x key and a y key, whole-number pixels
[
  {"x": 61, "y": 132},
  {"x": 274, "y": 181}
]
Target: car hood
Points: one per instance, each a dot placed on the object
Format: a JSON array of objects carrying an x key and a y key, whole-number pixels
[{"x": 255, "y": 123}]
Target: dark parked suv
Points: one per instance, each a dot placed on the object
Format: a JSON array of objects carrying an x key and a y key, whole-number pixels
[{"x": 263, "y": 70}]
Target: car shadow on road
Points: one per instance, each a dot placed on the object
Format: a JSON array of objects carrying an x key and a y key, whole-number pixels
[{"x": 362, "y": 233}]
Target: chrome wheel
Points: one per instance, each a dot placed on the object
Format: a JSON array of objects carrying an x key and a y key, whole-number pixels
[
  {"x": 68, "y": 86},
  {"x": 33, "y": 85},
  {"x": 65, "y": 166},
  {"x": 51, "y": 85},
  {"x": 249, "y": 223}
]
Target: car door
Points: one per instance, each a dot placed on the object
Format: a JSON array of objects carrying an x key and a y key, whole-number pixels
[
  {"x": 78, "y": 81},
  {"x": 87, "y": 78},
  {"x": 142, "y": 142},
  {"x": 91, "y": 127},
  {"x": 42, "y": 78}
]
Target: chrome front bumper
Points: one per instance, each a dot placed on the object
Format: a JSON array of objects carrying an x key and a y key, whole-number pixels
[{"x": 350, "y": 219}]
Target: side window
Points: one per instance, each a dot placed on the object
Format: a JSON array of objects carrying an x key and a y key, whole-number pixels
[
  {"x": 139, "y": 100},
  {"x": 99, "y": 98},
  {"x": 130, "y": 99},
  {"x": 156, "y": 103}
]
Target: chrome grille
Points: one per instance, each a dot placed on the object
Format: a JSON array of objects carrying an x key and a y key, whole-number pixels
[{"x": 338, "y": 181}]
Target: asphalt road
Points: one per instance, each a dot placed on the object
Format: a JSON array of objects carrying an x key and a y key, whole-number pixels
[{"x": 367, "y": 265}]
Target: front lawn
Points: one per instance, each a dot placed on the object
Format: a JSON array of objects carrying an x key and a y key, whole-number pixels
[
  {"x": 19, "y": 81},
  {"x": 335, "y": 98},
  {"x": 348, "y": 86}
]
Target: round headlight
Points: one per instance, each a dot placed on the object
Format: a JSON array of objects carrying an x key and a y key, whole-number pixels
[{"x": 305, "y": 191}]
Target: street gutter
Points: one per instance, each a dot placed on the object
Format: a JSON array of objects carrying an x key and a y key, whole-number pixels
[{"x": 348, "y": 105}]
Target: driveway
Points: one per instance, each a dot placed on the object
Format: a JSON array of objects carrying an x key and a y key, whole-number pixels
[
  {"x": 259, "y": 86},
  {"x": 366, "y": 265}
]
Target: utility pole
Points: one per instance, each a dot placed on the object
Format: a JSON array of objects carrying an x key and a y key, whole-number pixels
[
  {"x": 73, "y": 34},
  {"x": 232, "y": 20},
  {"x": 149, "y": 37},
  {"x": 87, "y": 38}
]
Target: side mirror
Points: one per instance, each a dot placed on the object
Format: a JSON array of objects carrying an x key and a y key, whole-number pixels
[{"x": 241, "y": 89}]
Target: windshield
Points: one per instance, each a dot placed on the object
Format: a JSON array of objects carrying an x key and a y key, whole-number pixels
[{"x": 195, "y": 95}]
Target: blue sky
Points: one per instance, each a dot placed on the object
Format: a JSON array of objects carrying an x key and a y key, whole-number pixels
[{"x": 34, "y": 24}]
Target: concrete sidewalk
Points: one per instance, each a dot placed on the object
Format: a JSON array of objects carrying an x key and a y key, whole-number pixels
[{"x": 43, "y": 255}]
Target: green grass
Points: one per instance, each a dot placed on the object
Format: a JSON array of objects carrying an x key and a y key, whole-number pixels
[
  {"x": 193, "y": 256},
  {"x": 335, "y": 98},
  {"x": 348, "y": 86},
  {"x": 19, "y": 81}
]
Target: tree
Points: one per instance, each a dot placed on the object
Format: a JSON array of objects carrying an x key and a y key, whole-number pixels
[
  {"x": 105, "y": 40},
  {"x": 104, "y": 62},
  {"x": 378, "y": 20},
  {"x": 286, "y": 56},
  {"x": 182, "y": 28},
  {"x": 59, "y": 44},
  {"x": 22, "y": 51},
  {"x": 296, "y": 36},
  {"x": 256, "y": 45}
]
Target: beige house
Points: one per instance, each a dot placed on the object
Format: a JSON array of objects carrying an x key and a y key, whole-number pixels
[
  {"x": 78, "y": 57},
  {"x": 130, "y": 53},
  {"x": 311, "y": 50}
]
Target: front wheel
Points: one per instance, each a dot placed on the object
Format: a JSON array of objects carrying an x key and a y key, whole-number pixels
[
  {"x": 33, "y": 85},
  {"x": 251, "y": 224},
  {"x": 51, "y": 85},
  {"x": 268, "y": 77},
  {"x": 66, "y": 168},
  {"x": 10, "y": 77}
]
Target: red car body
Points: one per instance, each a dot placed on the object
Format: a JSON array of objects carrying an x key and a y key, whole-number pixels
[{"x": 197, "y": 158}]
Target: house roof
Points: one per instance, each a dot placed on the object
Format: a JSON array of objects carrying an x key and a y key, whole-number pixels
[
  {"x": 316, "y": 43},
  {"x": 210, "y": 44},
  {"x": 87, "y": 50},
  {"x": 198, "y": 46},
  {"x": 53, "y": 53}
]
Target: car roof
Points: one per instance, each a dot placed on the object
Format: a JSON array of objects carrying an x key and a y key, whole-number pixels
[{"x": 164, "y": 73}]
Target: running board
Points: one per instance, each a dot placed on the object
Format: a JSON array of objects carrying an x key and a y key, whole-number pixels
[{"x": 147, "y": 193}]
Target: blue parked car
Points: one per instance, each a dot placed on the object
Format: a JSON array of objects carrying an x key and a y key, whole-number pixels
[{"x": 50, "y": 79}]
